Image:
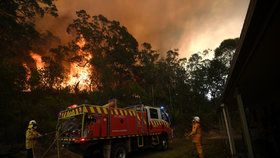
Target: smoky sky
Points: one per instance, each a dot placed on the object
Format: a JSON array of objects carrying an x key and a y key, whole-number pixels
[{"x": 189, "y": 25}]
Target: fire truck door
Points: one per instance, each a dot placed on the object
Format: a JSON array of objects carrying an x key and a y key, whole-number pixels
[{"x": 153, "y": 119}]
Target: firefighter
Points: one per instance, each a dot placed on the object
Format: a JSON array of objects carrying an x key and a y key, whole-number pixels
[
  {"x": 196, "y": 135},
  {"x": 31, "y": 136}
]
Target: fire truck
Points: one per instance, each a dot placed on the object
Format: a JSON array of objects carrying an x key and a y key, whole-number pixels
[{"x": 113, "y": 132}]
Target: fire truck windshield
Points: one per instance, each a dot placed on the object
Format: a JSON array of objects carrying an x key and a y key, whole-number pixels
[
  {"x": 164, "y": 115},
  {"x": 71, "y": 127}
]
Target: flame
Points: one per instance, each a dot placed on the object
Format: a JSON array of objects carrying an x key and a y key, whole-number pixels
[
  {"x": 79, "y": 75},
  {"x": 80, "y": 72},
  {"x": 38, "y": 60}
]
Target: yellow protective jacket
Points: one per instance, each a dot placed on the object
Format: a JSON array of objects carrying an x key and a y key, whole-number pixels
[
  {"x": 196, "y": 132},
  {"x": 31, "y": 136}
]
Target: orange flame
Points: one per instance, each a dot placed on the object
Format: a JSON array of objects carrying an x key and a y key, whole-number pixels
[
  {"x": 79, "y": 75},
  {"x": 38, "y": 60},
  {"x": 79, "y": 72}
]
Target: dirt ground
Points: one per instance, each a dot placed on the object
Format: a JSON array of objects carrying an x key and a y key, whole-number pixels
[
  {"x": 182, "y": 148},
  {"x": 179, "y": 148}
]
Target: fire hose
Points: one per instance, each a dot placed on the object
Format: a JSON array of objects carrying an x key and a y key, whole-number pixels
[
  {"x": 53, "y": 142},
  {"x": 57, "y": 136}
]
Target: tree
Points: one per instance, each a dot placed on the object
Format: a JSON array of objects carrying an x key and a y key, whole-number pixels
[
  {"x": 17, "y": 27},
  {"x": 18, "y": 33},
  {"x": 220, "y": 65},
  {"x": 225, "y": 51},
  {"x": 17, "y": 37},
  {"x": 112, "y": 47},
  {"x": 52, "y": 74},
  {"x": 145, "y": 71}
]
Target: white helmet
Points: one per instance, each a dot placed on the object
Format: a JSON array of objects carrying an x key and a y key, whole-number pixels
[
  {"x": 32, "y": 124},
  {"x": 196, "y": 118}
]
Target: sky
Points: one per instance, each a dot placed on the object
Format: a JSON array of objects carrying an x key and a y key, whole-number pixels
[{"x": 187, "y": 25}]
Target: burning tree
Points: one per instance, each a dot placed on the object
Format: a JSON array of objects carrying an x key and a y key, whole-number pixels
[{"x": 103, "y": 47}]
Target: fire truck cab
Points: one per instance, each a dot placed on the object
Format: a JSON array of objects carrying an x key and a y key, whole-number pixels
[{"x": 113, "y": 132}]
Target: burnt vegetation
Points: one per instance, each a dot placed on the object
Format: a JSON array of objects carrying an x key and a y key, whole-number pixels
[{"x": 118, "y": 68}]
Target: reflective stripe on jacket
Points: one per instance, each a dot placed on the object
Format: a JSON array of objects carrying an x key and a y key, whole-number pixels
[
  {"x": 31, "y": 136},
  {"x": 196, "y": 132}
]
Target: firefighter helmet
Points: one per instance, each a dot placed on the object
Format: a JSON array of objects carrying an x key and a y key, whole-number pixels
[
  {"x": 32, "y": 124},
  {"x": 196, "y": 118}
]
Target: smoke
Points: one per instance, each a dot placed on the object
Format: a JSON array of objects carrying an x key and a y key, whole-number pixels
[{"x": 190, "y": 25}]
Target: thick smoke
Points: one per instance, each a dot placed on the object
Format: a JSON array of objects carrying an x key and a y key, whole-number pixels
[{"x": 190, "y": 25}]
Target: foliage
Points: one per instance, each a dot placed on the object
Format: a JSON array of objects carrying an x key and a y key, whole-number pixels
[
  {"x": 17, "y": 27},
  {"x": 112, "y": 47},
  {"x": 120, "y": 69}
]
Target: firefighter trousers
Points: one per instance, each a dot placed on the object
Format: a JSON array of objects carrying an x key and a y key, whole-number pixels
[{"x": 199, "y": 150}]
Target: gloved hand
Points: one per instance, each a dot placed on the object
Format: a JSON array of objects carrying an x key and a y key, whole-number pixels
[{"x": 43, "y": 134}]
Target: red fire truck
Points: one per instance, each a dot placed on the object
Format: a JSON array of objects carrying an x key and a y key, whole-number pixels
[{"x": 111, "y": 131}]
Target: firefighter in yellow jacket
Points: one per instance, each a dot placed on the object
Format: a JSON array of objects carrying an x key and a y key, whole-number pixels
[
  {"x": 31, "y": 136},
  {"x": 196, "y": 135}
]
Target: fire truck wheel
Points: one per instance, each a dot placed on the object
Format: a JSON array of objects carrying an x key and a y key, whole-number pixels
[
  {"x": 119, "y": 151},
  {"x": 163, "y": 144}
]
